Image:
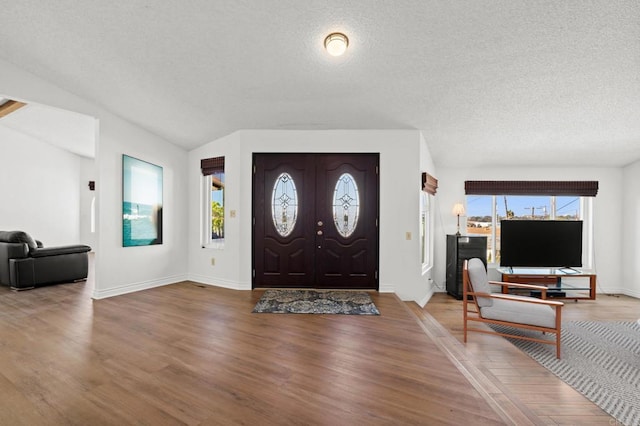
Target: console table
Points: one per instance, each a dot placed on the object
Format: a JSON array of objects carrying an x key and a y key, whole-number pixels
[{"x": 562, "y": 283}]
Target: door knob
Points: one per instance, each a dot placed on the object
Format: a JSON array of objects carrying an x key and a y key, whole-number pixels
[{"x": 319, "y": 232}]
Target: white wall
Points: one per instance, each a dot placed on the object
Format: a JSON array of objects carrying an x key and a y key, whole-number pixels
[
  {"x": 226, "y": 272},
  {"x": 400, "y": 178},
  {"x": 88, "y": 172},
  {"x": 39, "y": 190},
  {"x": 427, "y": 284},
  {"x": 127, "y": 269},
  {"x": 120, "y": 270},
  {"x": 607, "y": 213},
  {"x": 630, "y": 208}
]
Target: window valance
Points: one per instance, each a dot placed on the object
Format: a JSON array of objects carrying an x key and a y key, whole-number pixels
[
  {"x": 212, "y": 166},
  {"x": 429, "y": 184},
  {"x": 531, "y": 187}
]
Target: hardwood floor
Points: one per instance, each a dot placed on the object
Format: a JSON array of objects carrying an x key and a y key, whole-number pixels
[
  {"x": 515, "y": 377},
  {"x": 193, "y": 354}
]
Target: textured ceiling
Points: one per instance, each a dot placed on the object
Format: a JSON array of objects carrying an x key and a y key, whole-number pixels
[{"x": 488, "y": 83}]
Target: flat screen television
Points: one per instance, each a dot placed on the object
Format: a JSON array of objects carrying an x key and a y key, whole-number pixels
[{"x": 541, "y": 243}]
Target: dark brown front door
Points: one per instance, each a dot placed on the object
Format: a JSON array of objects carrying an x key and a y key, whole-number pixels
[{"x": 315, "y": 220}]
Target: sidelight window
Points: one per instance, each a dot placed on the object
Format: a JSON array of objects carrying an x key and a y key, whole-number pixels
[
  {"x": 213, "y": 202},
  {"x": 284, "y": 204},
  {"x": 346, "y": 205},
  {"x": 426, "y": 236}
]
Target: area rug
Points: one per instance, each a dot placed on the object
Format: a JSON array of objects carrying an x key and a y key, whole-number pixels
[
  {"x": 316, "y": 302},
  {"x": 601, "y": 360}
]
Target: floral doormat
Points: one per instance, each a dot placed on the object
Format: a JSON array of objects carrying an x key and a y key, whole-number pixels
[{"x": 316, "y": 302}]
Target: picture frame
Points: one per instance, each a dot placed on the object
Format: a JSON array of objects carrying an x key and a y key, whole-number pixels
[{"x": 141, "y": 202}]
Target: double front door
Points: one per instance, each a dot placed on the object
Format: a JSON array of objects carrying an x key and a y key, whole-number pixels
[{"x": 315, "y": 221}]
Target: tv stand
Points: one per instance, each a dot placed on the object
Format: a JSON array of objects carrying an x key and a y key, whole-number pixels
[{"x": 561, "y": 283}]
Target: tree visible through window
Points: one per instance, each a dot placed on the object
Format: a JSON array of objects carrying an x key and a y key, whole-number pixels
[
  {"x": 217, "y": 206},
  {"x": 213, "y": 202}
]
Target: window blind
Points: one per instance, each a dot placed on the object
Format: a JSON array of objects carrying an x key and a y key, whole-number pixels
[
  {"x": 429, "y": 184},
  {"x": 211, "y": 166},
  {"x": 531, "y": 187}
]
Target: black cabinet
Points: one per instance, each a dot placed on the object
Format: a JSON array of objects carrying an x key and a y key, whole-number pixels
[{"x": 460, "y": 248}]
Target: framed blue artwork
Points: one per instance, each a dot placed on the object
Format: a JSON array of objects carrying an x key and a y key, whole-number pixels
[{"x": 141, "y": 203}]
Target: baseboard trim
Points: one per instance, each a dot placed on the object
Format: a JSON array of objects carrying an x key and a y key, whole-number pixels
[
  {"x": 218, "y": 282},
  {"x": 423, "y": 301},
  {"x": 631, "y": 293},
  {"x": 133, "y": 287},
  {"x": 601, "y": 291},
  {"x": 387, "y": 288},
  {"x": 200, "y": 279}
]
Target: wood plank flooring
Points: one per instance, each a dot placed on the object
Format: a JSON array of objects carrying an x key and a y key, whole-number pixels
[
  {"x": 519, "y": 379},
  {"x": 193, "y": 354},
  {"x": 196, "y": 355}
]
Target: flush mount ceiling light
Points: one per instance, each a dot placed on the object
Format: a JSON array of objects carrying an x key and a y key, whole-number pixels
[{"x": 336, "y": 44}]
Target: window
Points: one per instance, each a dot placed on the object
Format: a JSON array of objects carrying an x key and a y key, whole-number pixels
[
  {"x": 213, "y": 196},
  {"x": 284, "y": 204},
  {"x": 537, "y": 200},
  {"x": 346, "y": 205},
  {"x": 217, "y": 206},
  {"x": 484, "y": 213},
  {"x": 425, "y": 227},
  {"x": 429, "y": 189}
]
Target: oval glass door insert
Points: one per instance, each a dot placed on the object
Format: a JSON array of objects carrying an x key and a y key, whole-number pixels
[
  {"x": 346, "y": 205},
  {"x": 284, "y": 204}
]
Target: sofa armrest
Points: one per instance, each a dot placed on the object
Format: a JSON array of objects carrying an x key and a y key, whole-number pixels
[
  {"x": 10, "y": 251},
  {"x": 22, "y": 275},
  {"x": 13, "y": 251},
  {"x": 56, "y": 251}
]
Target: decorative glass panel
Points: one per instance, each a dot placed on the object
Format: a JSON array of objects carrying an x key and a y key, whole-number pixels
[
  {"x": 346, "y": 205},
  {"x": 284, "y": 204}
]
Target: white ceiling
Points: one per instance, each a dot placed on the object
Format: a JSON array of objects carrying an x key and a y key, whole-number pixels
[
  {"x": 67, "y": 130},
  {"x": 518, "y": 82}
]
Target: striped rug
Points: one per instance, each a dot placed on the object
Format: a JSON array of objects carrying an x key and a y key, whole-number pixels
[{"x": 601, "y": 360}]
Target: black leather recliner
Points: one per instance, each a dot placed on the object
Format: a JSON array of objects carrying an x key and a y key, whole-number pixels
[{"x": 25, "y": 263}]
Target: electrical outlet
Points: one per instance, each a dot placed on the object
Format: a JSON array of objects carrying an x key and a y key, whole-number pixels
[
  {"x": 408, "y": 235},
  {"x": 213, "y": 261}
]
